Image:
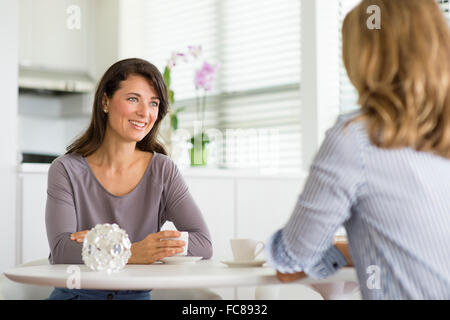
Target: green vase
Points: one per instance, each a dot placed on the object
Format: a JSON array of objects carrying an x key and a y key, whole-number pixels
[{"x": 199, "y": 156}]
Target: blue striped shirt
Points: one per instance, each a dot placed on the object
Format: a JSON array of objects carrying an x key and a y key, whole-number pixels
[{"x": 394, "y": 205}]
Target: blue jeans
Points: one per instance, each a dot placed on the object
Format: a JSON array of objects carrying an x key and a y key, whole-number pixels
[{"x": 80, "y": 294}]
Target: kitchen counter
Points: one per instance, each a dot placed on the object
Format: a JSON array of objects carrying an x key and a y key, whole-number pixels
[
  {"x": 42, "y": 168},
  {"x": 33, "y": 168}
]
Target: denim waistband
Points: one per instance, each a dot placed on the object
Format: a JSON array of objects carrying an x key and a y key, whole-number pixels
[{"x": 104, "y": 294}]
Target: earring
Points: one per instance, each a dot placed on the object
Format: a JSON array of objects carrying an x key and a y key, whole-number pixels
[{"x": 105, "y": 110}]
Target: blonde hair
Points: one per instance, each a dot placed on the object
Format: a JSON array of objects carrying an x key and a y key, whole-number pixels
[{"x": 401, "y": 73}]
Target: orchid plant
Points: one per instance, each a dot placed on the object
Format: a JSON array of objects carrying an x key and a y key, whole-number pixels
[
  {"x": 193, "y": 51},
  {"x": 203, "y": 80}
]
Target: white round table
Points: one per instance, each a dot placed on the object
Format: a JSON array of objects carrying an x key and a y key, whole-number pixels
[{"x": 202, "y": 274}]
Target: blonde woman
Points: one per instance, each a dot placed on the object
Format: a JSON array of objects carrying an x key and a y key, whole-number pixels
[{"x": 382, "y": 172}]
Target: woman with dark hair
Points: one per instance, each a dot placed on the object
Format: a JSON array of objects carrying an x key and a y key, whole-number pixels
[
  {"x": 384, "y": 171},
  {"x": 117, "y": 172}
]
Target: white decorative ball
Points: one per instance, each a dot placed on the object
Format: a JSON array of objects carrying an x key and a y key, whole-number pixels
[{"x": 106, "y": 247}]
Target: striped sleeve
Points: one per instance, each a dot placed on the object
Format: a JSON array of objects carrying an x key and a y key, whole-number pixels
[
  {"x": 305, "y": 242},
  {"x": 285, "y": 262}
]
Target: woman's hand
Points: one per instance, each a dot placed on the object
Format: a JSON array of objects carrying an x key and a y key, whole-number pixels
[
  {"x": 341, "y": 244},
  {"x": 289, "y": 277},
  {"x": 79, "y": 236},
  {"x": 149, "y": 250},
  {"x": 153, "y": 248}
]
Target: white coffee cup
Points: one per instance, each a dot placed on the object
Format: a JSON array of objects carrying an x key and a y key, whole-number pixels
[
  {"x": 184, "y": 237},
  {"x": 245, "y": 249}
]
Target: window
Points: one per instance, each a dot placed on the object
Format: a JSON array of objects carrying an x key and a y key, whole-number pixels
[{"x": 253, "y": 110}]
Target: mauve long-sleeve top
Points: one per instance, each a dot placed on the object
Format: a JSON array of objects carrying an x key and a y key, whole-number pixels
[{"x": 77, "y": 201}]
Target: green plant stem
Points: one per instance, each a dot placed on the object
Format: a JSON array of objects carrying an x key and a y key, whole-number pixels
[
  {"x": 197, "y": 98},
  {"x": 203, "y": 112}
]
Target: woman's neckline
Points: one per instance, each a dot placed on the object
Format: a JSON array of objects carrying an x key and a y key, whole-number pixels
[{"x": 147, "y": 170}]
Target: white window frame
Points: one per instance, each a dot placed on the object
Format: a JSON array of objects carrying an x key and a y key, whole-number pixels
[{"x": 320, "y": 62}]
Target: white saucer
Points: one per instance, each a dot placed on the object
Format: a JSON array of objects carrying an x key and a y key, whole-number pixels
[
  {"x": 180, "y": 259},
  {"x": 252, "y": 263}
]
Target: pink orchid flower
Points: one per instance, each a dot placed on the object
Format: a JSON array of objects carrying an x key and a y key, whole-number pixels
[{"x": 204, "y": 76}]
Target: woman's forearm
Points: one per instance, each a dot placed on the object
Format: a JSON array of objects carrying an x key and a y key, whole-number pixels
[
  {"x": 200, "y": 245},
  {"x": 66, "y": 251}
]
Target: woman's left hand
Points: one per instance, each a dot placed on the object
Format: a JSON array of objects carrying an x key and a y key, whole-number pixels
[
  {"x": 79, "y": 236},
  {"x": 289, "y": 277}
]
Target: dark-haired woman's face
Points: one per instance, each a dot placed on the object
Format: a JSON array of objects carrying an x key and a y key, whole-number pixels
[{"x": 133, "y": 109}]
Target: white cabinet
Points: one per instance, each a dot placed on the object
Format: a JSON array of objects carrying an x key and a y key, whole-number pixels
[
  {"x": 32, "y": 235},
  {"x": 56, "y": 35},
  {"x": 238, "y": 206},
  {"x": 264, "y": 205},
  {"x": 216, "y": 200}
]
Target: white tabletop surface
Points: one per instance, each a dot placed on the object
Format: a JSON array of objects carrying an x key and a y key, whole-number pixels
[{"x": 201, "y": 274}]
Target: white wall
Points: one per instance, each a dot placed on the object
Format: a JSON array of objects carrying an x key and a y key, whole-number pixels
[
  {"x": 130, "y": 34},
  {"x": 8, "y": 130},
  {"x": 106, "y": 34}
]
